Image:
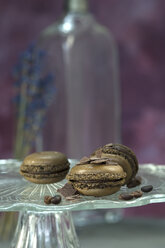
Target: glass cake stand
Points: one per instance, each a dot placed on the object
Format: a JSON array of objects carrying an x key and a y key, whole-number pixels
[{"x": 46, "y": 226}]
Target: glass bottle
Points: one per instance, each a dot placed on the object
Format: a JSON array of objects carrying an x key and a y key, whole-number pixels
[
  {"x": 82, "y": 57},
  {"x": 70, "y": 79}
]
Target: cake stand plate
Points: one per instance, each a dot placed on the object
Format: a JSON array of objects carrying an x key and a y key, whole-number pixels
[{"x": 42, "y": 225}]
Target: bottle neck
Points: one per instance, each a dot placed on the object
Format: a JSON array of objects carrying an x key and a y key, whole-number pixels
[{"x": 76, "y": 6}]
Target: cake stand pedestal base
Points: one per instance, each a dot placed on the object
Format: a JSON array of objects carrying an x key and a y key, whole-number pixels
[{"x": 45, "y": 230}]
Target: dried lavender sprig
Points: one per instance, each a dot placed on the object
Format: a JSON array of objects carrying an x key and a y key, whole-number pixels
[{"x": 32, "y": 102}]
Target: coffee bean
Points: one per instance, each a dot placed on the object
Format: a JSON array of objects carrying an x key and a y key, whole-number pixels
[
  {"x": 126, "y": 197},
  {"x": 56, "y": 199},
  {"x": 147, "y": 188},
  {"x": 47, "y": 199},
  {"x": 134, "y": 182},
  {"x": 137, "y": 194}
]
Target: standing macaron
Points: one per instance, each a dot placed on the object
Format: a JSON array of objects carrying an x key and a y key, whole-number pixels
[
  {"x": 97, "y": 177},
  {"x": 45, "y": 167},
  {"x": 123, "y": 155}
]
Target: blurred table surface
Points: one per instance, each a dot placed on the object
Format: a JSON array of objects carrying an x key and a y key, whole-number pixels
[{"x": 127, "y": 233}]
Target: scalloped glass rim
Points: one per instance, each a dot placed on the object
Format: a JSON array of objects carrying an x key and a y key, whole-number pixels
[{"x": 17, "y": 194}]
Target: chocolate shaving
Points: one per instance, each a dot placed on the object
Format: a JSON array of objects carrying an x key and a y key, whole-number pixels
[
  {"x": 99, "y": 161},
  {"x": 96, "y": 160},
  {"x": 93, "y": 160},
  {"x": 73, "y": 198},
  {"x": 84, "y": 160},
  {"x": 67, "y": 190}
]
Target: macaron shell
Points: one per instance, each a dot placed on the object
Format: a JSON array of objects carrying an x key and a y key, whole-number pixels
[
  {"x": 124, "y": 151},
  {"x": 121, "y": 154},
  {"x": 98, "y": 192},
  {"x": 99, "y": 168},
  {"x": 44, "y": 180},
  {"x": 123, "y": 163},
  {"x": 45, "y": 157},
  {"x": 45, "y": 167},
  {"x": 122, "y": 148},
  {"x": 96, "y": 172}
]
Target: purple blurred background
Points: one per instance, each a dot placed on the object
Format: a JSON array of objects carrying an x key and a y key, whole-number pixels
[{"x": 139, "y": 30}]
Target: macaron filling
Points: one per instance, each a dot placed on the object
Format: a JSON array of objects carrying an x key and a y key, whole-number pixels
[
  {"x": 43, "y": 169},
  {"x": 45, "y": 174},
  {"x": 94, "y": 185},
  {"x": 100, "y": 184}
]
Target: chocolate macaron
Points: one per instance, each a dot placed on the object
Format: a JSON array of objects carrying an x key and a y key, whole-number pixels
[
  {"x": 97, "y": 177},
  {"x": 123, "y": 155},
  {"x": 45, "y": 167}
]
